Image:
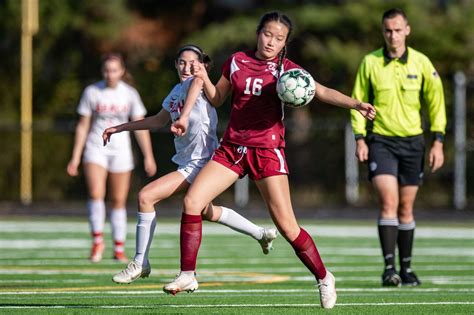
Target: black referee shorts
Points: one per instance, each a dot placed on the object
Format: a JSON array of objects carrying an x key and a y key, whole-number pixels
[{"x": 402, "y": 157}]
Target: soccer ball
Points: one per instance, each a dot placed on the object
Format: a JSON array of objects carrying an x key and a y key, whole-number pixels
[{"x": 296, "y": 87}]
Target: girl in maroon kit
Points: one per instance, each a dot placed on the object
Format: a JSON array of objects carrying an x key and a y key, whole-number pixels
[{"x": 253, "y": 144}]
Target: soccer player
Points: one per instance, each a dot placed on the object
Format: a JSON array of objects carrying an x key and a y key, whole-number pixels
[
  {"x": 193, "y": 150},
  {"x": 254, "y": 144},
  {"x": 104, "y": 104},
  {"x": 392, "y": 78}
]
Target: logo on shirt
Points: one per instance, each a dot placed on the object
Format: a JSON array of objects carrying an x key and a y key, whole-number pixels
[
  {"x": 273, "y": 68},
  {"x": 245, "y": 61}
]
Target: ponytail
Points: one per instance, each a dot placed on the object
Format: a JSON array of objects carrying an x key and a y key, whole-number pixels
[{"x": 281, "y": 58}]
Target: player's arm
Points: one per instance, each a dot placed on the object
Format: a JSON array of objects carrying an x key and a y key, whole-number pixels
[
  {"x": 153, "y": 122},
  {"x": 180, "y": 126},
  {"x": 82, "y": 129},
  {"x": 337, "y": 98},
  {"x": 434, "y": 98},
  {"x": 144, "y": 141},
  {"x": 216, "y": 94}
]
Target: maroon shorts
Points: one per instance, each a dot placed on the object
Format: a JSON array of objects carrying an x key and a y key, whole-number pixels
[{"x": 258, "y": 163}]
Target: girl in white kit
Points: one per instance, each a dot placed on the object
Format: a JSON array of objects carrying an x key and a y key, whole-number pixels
[
  {"x": 104, "y": 104},
  {"x": 193, "y": 150}
]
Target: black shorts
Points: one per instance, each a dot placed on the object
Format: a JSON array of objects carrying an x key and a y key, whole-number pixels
[{"x": 402, "y": 157}]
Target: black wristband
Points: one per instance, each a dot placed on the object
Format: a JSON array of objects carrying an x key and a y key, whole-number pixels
[
  {"x": 438, "y": 136},
  {"x": 358, "y": 136}
]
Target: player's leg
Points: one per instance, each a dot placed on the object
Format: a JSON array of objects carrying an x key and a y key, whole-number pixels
[
  {"x": 211, "y": 181},
  {"x": 276, "y": 193},
  {"x": 96, "y": 178},
  {"x": 119, "y": 184},
  {"x": 237, "y": 222},
  {"x": 151, "y": 194}
]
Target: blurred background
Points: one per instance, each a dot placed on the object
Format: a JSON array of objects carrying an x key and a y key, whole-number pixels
[{"x": 330, "y": 38}]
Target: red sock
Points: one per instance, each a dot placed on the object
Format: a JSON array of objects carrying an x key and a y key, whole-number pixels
[
  {"x": 119, "y": 247},
  {"x": 307, "y": 252},
  {"x": 97, "y": 237},
  {"x": 191, "y": 234}
]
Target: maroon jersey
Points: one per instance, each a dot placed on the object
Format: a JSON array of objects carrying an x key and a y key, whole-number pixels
[{"x": 256, "y": 118}]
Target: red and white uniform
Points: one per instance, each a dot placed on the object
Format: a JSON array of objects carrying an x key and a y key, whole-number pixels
[
  {"x": 254, "y": 140},
  {"x": 256, "y": 119},
  {"x": 109, "y": 107}
]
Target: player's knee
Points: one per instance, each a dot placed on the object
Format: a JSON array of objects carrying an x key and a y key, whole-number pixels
[
  {"x": 192, "y": 205},
  {"x": 146, "y": 199}
]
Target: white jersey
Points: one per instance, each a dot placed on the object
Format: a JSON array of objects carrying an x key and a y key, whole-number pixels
[
  {"x": 200, "y": 141},
  {"x": 109, "y": 107}
]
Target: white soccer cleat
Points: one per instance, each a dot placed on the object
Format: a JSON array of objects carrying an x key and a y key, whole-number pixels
[
  {"x": 327, "y": 291},
  {"x": 182, "y": 282},
  {"x": 269, "y": 234},
  {"x": 132, "y": 272}
]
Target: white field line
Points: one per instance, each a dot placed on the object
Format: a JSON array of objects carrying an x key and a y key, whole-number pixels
[
  {"x": 188, "y": 306},
  {"x": 236, "y": 292},
  {"x": 216, "y": 229}
]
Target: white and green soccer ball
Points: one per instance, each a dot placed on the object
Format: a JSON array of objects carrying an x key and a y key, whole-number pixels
[{"x": 296, "y": 87}]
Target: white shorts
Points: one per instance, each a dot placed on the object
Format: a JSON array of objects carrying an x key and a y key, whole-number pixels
[
  {"x": 190, "y": 170},
  {"x": 114, "y": 162}
]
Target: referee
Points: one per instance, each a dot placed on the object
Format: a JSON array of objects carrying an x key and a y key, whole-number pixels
[{"x": 393, "y": 78}]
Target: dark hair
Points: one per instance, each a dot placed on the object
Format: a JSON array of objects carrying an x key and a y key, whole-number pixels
[
  {"x": 279, "y": 17},
  {"x": 127, "y": 77},
  {"x": 389, "y": 14},
  {"x": 202, "y": 56}
]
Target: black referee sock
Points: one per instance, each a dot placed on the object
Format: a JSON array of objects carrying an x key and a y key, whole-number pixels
[
  {"x": 406, "y": 233},
  {"x": 388, "y": 232}
]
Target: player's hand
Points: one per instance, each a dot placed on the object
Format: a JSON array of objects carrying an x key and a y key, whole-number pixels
[
  {"x": 367, "y": 110},
  {"x": 436, "y": 156},
  {"x": 362, "y": 150},
  {"x": 150, "y": 166},
  {"x": 180, "y": 126},
  {"x": 72, "y": 168},
  {"x": 108, "y": 134},
  {"x": 198, "y": 70}
]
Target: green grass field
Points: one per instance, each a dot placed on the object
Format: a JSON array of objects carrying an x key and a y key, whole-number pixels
[{"x": 44, "y": 270}]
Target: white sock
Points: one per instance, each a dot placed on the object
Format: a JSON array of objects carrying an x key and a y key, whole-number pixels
[
  {"x": 118, "y": 220},
  {"x": 96, "y": 218},
  {"x": 240, "y": 224},
  {"x": 145, "y": 229}
]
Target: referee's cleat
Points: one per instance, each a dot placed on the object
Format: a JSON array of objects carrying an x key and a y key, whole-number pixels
[
  {"x": 132, "y": 272},
  {"x": 182, "y": 283},
  {"x": 269, "y": 234},
  {"x": 390, "y": 278},
  {"x": 409, "y": 278}
]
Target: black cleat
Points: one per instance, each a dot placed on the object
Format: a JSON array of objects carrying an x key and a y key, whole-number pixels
[
  {"x": 409, "y": 278},
  {"x": 390, "y": 278}
]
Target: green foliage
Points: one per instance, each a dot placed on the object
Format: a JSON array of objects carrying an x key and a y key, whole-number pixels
[{"x": 329, "y": 40}]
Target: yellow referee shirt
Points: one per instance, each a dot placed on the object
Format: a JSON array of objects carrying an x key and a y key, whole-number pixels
[{"x": 394, "y": 87}]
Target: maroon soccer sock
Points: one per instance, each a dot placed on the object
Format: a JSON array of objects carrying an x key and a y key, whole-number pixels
[
  {"x": 191, "y": 234},
  {"x": 307, "y": 252}
]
